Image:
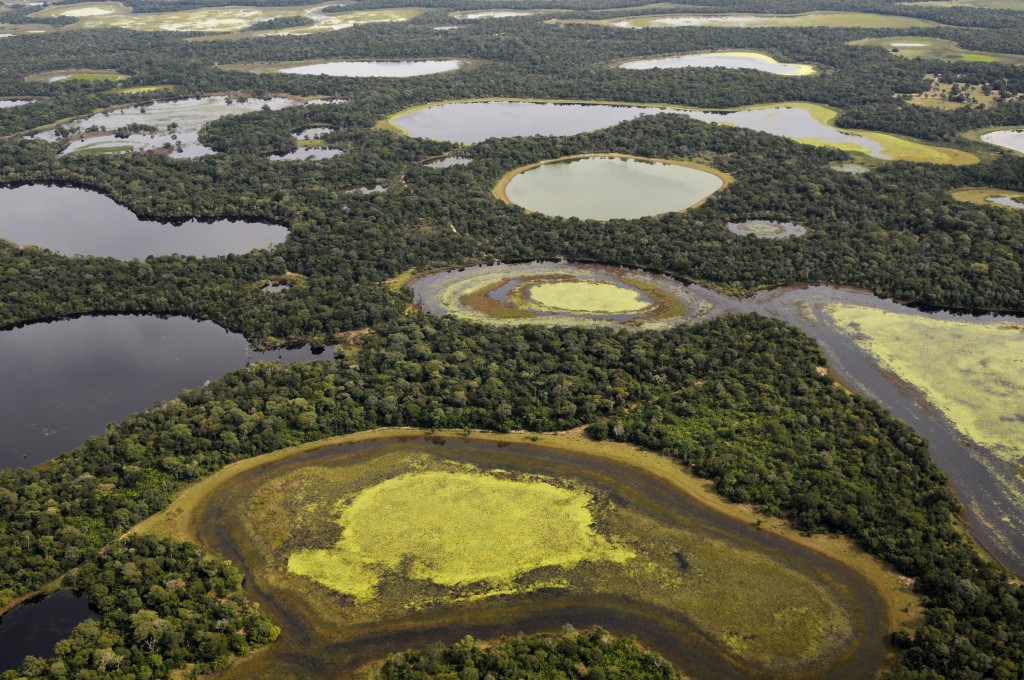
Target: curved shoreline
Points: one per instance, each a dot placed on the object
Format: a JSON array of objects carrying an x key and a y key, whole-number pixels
[
  {"x": 500, "y": 193},
  {"x": 209, "y": 512}
]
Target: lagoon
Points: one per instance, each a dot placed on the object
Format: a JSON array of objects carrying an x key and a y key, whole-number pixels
[
  {"x": 33, "y": 628},
  {"x": 62, "y": 382},
  {"x": 1008, "y": 139},
  {"x": 75, "y": 221}
]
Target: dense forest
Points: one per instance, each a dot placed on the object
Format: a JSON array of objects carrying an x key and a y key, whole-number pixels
[{"x": 738, "y": 400}]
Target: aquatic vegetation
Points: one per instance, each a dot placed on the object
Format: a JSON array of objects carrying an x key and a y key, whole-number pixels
[
  {"x": 971, "y": 371},
  {"x": 476, "y": 529},
  {"x": 558, "y": 293}
]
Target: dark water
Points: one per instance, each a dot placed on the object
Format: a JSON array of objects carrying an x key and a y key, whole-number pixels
[
  {"x": 33, "y": 628},
  {"x": 62, "y": 382},
  {"x": 80, "y": 222}
]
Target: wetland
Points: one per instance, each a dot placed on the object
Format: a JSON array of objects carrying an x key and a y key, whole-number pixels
[
  {"x": 734, "y": 60},
  {"x": 629, "y": 548}
]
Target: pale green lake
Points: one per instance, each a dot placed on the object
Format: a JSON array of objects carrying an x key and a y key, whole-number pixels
[{"x": 605, "y": 188}]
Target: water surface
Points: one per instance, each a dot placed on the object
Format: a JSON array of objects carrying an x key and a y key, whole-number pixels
[
  {"x": 375, "y": 69},
  {"x": 308, "y": 153},
  {"x": 448, "y": 162},
  {"x": 9, "y": 103},
  {"x": 736, "y": 60},
  {"x": 178, "y": 123},
  {"x": 607, "y": 188},
  {"x": 80, "y": 222},
  {"x": 470, "y": 122},
  {"x": 63, "y": 381},
  {"x": 33, "y": 628},
  {"x": 1008, "y": 139},
  {"x": 1006, "y": 201}
]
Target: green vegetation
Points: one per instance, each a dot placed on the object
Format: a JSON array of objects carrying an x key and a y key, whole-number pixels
[
  {"x": 913, "y": 47},
  {"x": 593, "y": 653},
  {"x": 974, "y": 373},
  {"x": 547, "y": 293},
  {"x": 501, "y": 539},
  {"x": 984, "y": 196},
  {"x": 75, "y": 74},
  {"x": 477, "y": 529}
]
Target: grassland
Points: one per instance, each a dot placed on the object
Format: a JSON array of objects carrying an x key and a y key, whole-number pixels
[
  {"x": 233, "y": 20},
  {"x": 972, "y": 372},
  {"x": 913, "y": 47},
  {"x": 807, "y": 19},
  {"x": 591, "y": 297},
  {"x": 982, "y": 196},
  {"x": 758, "y": 607}
]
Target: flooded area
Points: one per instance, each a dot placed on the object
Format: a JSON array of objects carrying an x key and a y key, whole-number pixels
[
  {"x": 171, "y": 126},
  {"x": 75, "y": 221},
  {"x": 64, "y": 381}
]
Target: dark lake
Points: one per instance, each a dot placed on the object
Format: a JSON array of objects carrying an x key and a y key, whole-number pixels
[
  {"x": 79, "y": 222},
  {"x": 33, "y": 628},
  {"x": 63, "y": 381}
]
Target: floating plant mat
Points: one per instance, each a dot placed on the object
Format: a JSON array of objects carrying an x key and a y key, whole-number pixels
[
  {"x": 559, "y": 293},
  {"x": 378, "y": 543}
]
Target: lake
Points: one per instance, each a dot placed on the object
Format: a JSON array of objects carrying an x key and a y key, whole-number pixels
[
  {"x": 604, "y": 188},
  {"x": 738, "y": 60},
  {"x": 375, "y": 69},
  {"x": 63, "y": 381},
  {"x": 34, "y": 627},
  {"x": 471, "y": 122},
  {"x": 766, "y": 229},
  {"x": 75, "y": 221}
]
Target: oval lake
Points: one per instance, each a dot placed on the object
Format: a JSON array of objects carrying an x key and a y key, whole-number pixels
[{"x": 375, "y": 69}]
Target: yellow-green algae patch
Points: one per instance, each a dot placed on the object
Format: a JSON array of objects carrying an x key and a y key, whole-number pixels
[
  {"x": 972, "y": 372},
  {"x": 560, "y": 293},
  {"x": 590, "y": 297},
  {"x": 456, "y": 528}
]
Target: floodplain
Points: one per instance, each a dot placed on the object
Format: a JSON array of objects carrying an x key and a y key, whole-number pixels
[{"x": 612, "y": 535}]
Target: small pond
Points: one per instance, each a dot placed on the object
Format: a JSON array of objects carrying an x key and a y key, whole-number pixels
[
  {"x": 1007, "y": 201},
  {"x": 10, "y": 103},
  {"x": 494, "y": 14},
  {"x": 177, "y": 124},
  {"x": 33, "y": 628},
  {"x": 766, "y": 229},
  {"x": 79, "y": 222},
  {"x": 375, "y": 69},
  {"x": 448, "y": 162},
  {"x": 63, "y": 381},
  {"x": 308, "y": 153},
  {"x": 735, "y": 60},
  {"x": 604, "y": 188},
  {"x": 850, "y": 168},
  {"x": 311, "y": 133},
  {"x": 1008, "y": 139}
]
